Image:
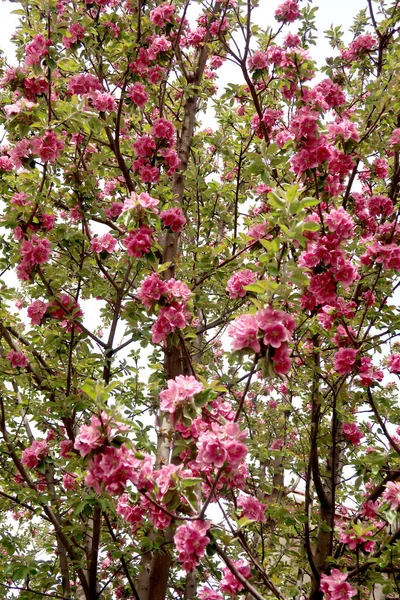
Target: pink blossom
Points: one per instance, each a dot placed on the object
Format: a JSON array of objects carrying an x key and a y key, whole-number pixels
[
  {"x": 394, "y": 363},
  {"x": 37, "y": 48},
  {"x": 340, "y": 222},
  {"x": 258, "y": 60},
  {"x": 6, "y": 164},
  {"x": 392, "y": 494},
  {"x": 395, "y": 138},
  {"x": 36, "y": 311},
  {"x": 65, "y": 308},
  {"x": 159, "y": 45},
  {"x": 65, "y": 448},
  {"x": 370, "y": 509},
  {"x": 131, "y": 514},
  {"x": 244, "y": 331},
  {"x": 69, "y": 481},
  {"x": 138, "y": 241},
  {"x": 75, "y": 33},
  {"x": 335, "y": 586},
  {"x": 106, "y": 243},
  {"x": 344, "y": 360},
  {"x": 85, "y": 83},
  {"x": 221, "y": 444},
  {"x": 177, "y": 291},
  {"x": 113, "y": 468},
  {"x": 103, "y": 101},
  {"x": 17, "y": 359},
  {"x": 191, "y": 540},
  {"x": 206, "y": 593},
  {"x": 181, "y": 390},
  {"x": 18, "y": 106},
  {"x": 353, "y": 434},
  {"x": 171, "y": 317},
  {"x": 236, "y": 283},
  {"x": 252, "y": 508},
  {"x": 174, "y": 219},
  {"x": 92, "y": 436},
  {"x": 137, "y": 93},
  {"x": 151, "y": 290},
  {"x": 144, "y": 146},
  {"x": 36, "y": 452},
  {"x": 162, "y": 15},
  {"x": 48, "y": 146},
  {"x": 229, "y": 584},
  {"x": 275, "y": 334},
  {"x": 162, "y": 128},
  {"x": 380, "y": 206}
]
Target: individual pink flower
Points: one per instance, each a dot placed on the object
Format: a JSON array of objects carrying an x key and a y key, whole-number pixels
[
  {"x": 335, "y": 586},
  {"x": 75, "y": 33},
  {"x": 174, "y": 219},
  {"x": 236, "y": 283},
  {"x": 243, "y": 332},
  {"x": 369, "y": 510},
  {"x": 65, "y": 448},
  {"x": 353, "y": 434},
  {"x": 207, "y": 593},
  {"x": 275, "y": 334},
  {"x": 344, "y": 360},
  {"x": 252, "y": 508},
  {"x": 36, "y": 311},
  {"x": 36, "y": 452},
  {"x": 113, "y": 468},
  {"x": 138, "y": 241},
  {"x": 229, "y": 584},
  {"x": 69, "y": 481},
  {"x": 340, "y": 222},
  {"x": 177, "y": 291},
  {"x": 103, "y": 101},
  {"x": 137, "y": 93},
  {"x": 92, "y": 437},
  {"x": 395, "y": 138},
  {"x": 171, "y": 317},
  {"x": 394, "y": 363},
  {"x": 151, "y": 290},
  {"x": 132, "y": 514},
  {"x": 17, "y": 359},
  {"x": 392, "y": 494},
  {"x": 162, "y": 128}
]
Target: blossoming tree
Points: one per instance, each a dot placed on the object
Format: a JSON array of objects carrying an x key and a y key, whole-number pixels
[{"x": 224, "y": 426}]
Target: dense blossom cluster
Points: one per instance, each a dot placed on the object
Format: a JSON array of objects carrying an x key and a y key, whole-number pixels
[{"x": 269, "y": 328}]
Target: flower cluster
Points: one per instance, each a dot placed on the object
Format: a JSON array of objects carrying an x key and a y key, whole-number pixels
[
  {"x": 34, "y": 251},
  {"x": 236, "y": 283},
  {"x": 268, "y": 327},
  {"x": 171, "y": 290},
  {"x": 17, "y": 359},
  {"x": 335, "y": 586},
  {"x": 191, "y": 541},
  {"x": 36, "y": 452},
  {"x": 180, "y": 391}
]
